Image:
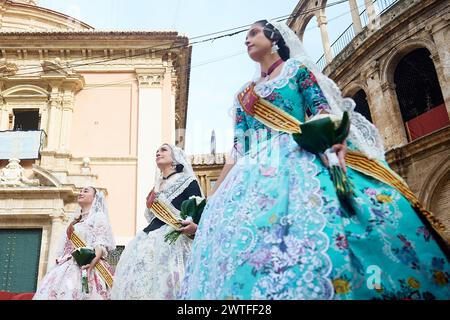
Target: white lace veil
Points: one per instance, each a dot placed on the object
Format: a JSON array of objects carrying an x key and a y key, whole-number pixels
[
  {"x": 99, "y": 213},
  {"x": 179, "y": 157},
  {"x": 363, "y": 134}
]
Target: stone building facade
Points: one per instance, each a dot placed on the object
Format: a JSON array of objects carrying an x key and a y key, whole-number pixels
[
  {"x": 102, "y": 103},
  {"x": 368, "y": 64},
  {"x": 396, "y": 66}
]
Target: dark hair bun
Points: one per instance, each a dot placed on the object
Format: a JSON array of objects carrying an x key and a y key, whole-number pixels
[
  {"x": 274, "y": 35},
  {"x": 179, "y": 168}
]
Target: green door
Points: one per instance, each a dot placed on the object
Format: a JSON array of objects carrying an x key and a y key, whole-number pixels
[{"x": 19, "y": 259}]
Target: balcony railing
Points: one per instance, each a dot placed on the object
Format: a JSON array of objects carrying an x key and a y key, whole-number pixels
[{"x": 347, "y": 36}]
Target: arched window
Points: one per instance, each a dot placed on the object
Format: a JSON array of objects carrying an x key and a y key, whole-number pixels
[
  {"x": 362, "y": 106},
  {"x": 419, "y": 94}
]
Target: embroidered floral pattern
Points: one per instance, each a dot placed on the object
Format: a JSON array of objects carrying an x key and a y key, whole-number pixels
[
  {"x": 63, "y": 281},
  {"x": 275, "y": 229}
]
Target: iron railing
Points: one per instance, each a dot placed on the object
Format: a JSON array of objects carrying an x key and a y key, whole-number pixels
[{"x": 349, "y": 34}]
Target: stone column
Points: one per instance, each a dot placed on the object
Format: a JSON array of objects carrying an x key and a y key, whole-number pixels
[
  {"x": 384, "y": 109},
  {"x": 441, "y": 58},
  {"x": 66, "y": 119},
  {"x": 204, "y": 184},
  {"x": 172, "y": 109},
  {"x": 44, "y": 111},
  {"x": 322, "y": 23},
  {"x": 54, "y": 120},
  {"x": 57, "y": 229},
  {"x": 149, "y": 134},
  {"x": 4, "y": 116},
  {"x": 396, "y": 131},
  {"x": 373, "y": 23},
  {"x": 357, "y": 27}
]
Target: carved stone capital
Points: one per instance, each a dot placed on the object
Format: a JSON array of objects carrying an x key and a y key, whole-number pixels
[
  {"x": 58, "y": 216},
  {"x": 151, "y": 77},
  {"x": 321, "y": 19}
]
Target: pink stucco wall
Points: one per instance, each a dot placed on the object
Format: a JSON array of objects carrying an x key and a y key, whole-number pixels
[
  {"x": 104, "y": 127},
  {"x": 120, "y": 182},
  {"x": 104, "y": 122}
]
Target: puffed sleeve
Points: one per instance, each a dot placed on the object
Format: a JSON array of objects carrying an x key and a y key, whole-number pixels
[
  {"x": 240, "y": 136},
  {"x": 314, "y": 98}
]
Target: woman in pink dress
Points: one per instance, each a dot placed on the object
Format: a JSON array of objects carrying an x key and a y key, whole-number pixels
[{"x": 90, "y": 228}]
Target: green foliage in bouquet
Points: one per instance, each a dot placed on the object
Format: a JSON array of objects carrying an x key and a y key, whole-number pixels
[
  {"x": 190, "y": 209},
  {"x": 319, "y": 135},
  {"x": 84, "y": 256}
]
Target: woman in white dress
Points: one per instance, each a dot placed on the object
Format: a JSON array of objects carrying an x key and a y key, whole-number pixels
[
  {"x": 89, "y": 228},
  {"x": 150, "y": 268}
]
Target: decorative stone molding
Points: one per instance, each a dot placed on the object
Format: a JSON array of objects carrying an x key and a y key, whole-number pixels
[
  {"x": 321, "y": 19},
  {"x": 26, "y": 92},
  {"x": 56, "y": 66},
  {"x": 302, "y": 14},
  {"x": 7, "y": 69},
  {"x": 58, "y": 216},
  {"x": 151, "y": 77},
  {"x": 29, "y": 2},
  {"x": 13, "y": 175},
  {"x": 85, "y": 167},
  {"x": 353, "y": 87},
  {"x": 208, "y": 159},
  {"x": 154, "y": 80},
  {"x": 392, "y": 58}
]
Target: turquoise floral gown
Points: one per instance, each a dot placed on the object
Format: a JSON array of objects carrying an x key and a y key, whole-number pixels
[{"x": 275, "y": 229}]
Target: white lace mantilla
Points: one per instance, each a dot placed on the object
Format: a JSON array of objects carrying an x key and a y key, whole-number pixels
[{"x": 173, "y": 190}]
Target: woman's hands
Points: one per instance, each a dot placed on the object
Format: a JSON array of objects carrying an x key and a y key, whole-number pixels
[
  {"x": 91, "y": 266},
  {"x": 189, "y": 227},
  {"x": 341, "y": 151},
  {"x": 150, "y": 198}
]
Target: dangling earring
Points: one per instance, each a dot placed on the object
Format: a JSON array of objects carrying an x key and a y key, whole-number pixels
[{"x": 275, "y": 47}]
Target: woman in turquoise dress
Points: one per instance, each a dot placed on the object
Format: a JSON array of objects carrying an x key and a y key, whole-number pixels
[{"x": 274, "y": 227}]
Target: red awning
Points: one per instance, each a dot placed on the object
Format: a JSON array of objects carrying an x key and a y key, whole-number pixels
[{"x": 428, "y": 122}]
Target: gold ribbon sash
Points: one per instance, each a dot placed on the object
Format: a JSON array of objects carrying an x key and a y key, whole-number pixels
[
  {"x": 377, "y": 170},
  {"x": 103, "y": 271},
  {"x": 164, "y": 214},
  {"x": 266, "y": 112},
  {"x": 277, "y": 119}
]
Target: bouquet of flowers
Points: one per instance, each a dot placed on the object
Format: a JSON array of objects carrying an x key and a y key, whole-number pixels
[
  {"x": 318, "y": 135},
  {"x": 191, "y": 210},
  {"x": 84, "y": 256}
]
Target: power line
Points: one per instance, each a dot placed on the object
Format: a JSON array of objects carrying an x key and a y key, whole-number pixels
[
  {"x": 218, "y": 58},
  {"x": 101, "y": 85},
  {"x": 172, "y": 47}
]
